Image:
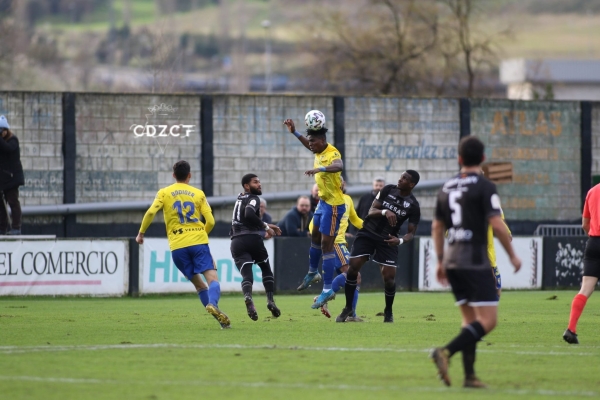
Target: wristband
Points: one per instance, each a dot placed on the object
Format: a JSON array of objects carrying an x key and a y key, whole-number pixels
[
  {"x": 297, "y": 134},
  {"x": 322, "y": 169},
  {"x": 401, "y": 241},
  {"x": 267, "y": 227},
  {"x": 383, "y": 212}
]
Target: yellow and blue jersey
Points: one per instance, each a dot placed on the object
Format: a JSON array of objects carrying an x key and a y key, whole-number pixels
[
  {"x": 329, "y": 183},
  {"x": 182, "y": 205},
  {"x": 349, "y": 215}
]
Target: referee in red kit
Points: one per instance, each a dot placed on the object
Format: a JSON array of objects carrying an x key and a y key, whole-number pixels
[{"x": 591, "y": 261}]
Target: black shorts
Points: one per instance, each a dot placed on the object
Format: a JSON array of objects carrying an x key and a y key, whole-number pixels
[
  {"x": 591, "y": 257},
  {"x": 377, "y": 249},
  {"x": 475, "y": 287},
  {"x": 248, "y": 249}
]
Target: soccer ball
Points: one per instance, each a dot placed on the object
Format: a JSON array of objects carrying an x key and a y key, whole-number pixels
[{"x": 314, "y": 120}]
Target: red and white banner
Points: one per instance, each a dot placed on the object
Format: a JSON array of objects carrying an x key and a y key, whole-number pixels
[
  {"x": 529, "y": 250},
  {"x": 63, "y": 267}
]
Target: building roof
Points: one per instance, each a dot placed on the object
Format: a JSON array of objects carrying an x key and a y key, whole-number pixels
[{"x": 521, "y": 70}]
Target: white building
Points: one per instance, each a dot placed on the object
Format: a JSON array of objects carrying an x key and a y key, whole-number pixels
[{"x": 551, "y": 79}]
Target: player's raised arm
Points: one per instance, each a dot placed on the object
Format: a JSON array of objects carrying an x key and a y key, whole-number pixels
[
  {"x": 377, "y": 210},
  {"x": 291, "y": 127}
]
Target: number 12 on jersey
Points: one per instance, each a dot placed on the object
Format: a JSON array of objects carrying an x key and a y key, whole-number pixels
[{"x": 181, "y": 208}]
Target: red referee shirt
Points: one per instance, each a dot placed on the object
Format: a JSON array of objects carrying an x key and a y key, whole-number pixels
[{"x": 591, "y": 210}]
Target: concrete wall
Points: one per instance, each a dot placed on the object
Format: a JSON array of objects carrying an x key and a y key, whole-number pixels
[
  {"x": 386, "y": 136},
  {"x": 542, "y": 141},
  {"x": 249, "y": 136},
  {"x": 113, "y": 164}
]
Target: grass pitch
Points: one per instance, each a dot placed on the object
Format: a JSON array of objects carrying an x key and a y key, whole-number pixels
[{"x": 170, "y": 348}]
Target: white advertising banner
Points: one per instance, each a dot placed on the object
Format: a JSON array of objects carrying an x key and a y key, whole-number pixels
[
  {"x": 63, "y": 267},
  {"x": 529, "y": 250},
  {"x": 160, "y": 275}
]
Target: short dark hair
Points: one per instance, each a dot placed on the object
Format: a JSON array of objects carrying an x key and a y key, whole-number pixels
[
  {"x": 318, "y": 132},
  {"x": 248, "y": 178},
  {"x": 414, "y": 176},
  {"x": 471, "y": 150},
  {"x": 181, "y": 169}
]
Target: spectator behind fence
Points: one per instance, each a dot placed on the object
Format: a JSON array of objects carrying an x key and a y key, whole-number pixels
[
  {"x": 264, "y": 215},
  {"x": 314, "y": 198},
  {"x": 295, "y": 222},
  {"x": 11, "y": 177},
  {"x": 364, "y": 204}
]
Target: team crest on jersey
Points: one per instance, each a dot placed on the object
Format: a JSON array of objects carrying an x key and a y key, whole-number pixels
[
  {"x": 253, "y": 202},
  {"x": 403, "y": 213},
  {"x": 406, "y": 204}
]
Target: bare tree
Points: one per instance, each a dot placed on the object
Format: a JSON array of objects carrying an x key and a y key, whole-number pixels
[
  {"x": 468, "y": 50},
  {"x": 377, "y": 46}
]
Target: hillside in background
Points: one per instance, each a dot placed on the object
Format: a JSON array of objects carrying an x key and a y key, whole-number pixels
[{"x": 212, "y": 45}]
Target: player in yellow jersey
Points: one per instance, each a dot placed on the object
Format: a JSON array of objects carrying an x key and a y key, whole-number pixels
[
  {"x": 182, "y": 206},
  {"x": 327, "y": 170},
  {"x": 342, "y": 257},
  {"x": 492, "y": 254}
]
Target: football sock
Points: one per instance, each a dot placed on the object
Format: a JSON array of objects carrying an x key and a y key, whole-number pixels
[
  {"x": 267, "y": 277},
  {"x": 203, "y": 294},
  {"x": 247, "y": 279},
  {"x": 350, "y": 288},
  {"x": 390, "y": 293},
  {"x": 468, "y": 354},
  {"x": 577, "y": 307},
  {"x": 214, "y": 293},
  {"x": 328, "y": 269},
  {"x": 338, "y": 282},
  {"x": 470, "y": 334},
  {"x": 355, "y": 300},
  {"x": 314, "y": 255}
]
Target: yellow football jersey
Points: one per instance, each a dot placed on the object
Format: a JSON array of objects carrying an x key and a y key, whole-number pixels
[
  {"x": 182, "y": 206},
  {"x": 349, "y": 214},
  {"x": 490, "y": 237},
  {"x": 329, "y": 183}
]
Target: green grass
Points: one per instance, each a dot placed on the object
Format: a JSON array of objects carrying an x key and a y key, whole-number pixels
[{"x": 168, "y": 347}]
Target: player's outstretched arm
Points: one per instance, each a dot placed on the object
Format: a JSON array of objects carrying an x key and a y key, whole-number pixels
[
  {"x": 291, "y": 127},
  {"x": 501, "y": 232},
  {"x": 156, "y": 206},
  {"x": 335, "y": 166},
  {"x": 354, "y": 219}
]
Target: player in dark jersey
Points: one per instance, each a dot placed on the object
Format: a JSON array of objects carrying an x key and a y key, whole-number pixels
[
  {"x": 379, "y": 239},
  {"x": 247, "y": 247},
  {"x": 465, "y": 206}
]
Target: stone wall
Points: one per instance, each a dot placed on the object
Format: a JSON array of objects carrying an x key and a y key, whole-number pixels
[
  {"x": 120, "y": 159},
  {"x": 386, "y": 136},
  {"x": 542, "y": 140},
  {"x": 249, "y": 136}
]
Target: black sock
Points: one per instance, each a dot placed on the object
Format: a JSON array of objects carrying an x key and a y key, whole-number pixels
[
  {"x": 350, "y": 288},
  {"x": 247, "y": 289},
  {"x": 470, "y": 334},
  {"x": 468, "y": 353},
  {"x": 390, "y": 294},
  {"x": 268, "y": 279}
]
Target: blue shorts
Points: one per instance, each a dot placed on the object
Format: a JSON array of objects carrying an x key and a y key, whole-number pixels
[
  {"x": 498, "y": 278},
  {"x": 327, "y": 218},
  {"x": 342, "y": 256},
  {"x": 193, "y": 260}
]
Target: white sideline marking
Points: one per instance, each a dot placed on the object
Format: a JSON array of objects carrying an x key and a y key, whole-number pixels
[
  {"x": 522, "y": 392},
  {"x": 34, "y": 349}
]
